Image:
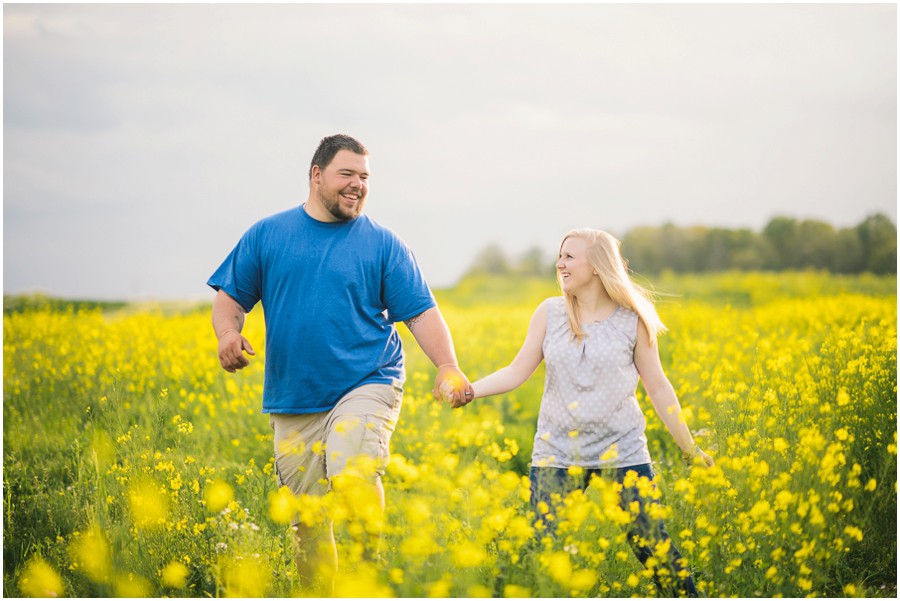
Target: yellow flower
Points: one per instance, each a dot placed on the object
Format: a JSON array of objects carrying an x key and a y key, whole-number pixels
[
  {"x": 514, "y": 591},
  {"x": 217, "y": 495},
  {"x": 610, "y": 453},
  {"x": 281, "y": 505},
  {"x": 364, "y": 583},
  {"x": 91, "y": 554},
  {"x": 519, "y": 529},
  {"x": 467, "y": 555},
  {"x": 479, "y": 591},
  {"x": 174, "y": 575},
  {"x": 842, "y": 398},
  {"x": 131, "y": 586},
  {"x": 440, "y": 589},
  {"x": 246, "y": 577},
  {"x": 760, "y": 509},
  {"x": 560, "y": 567},
  {"x": 582, "y": 580},
  {"x": 38, "y": 579},
  {"x": 149, "y": 507},
  {"x": 510, "y": 481}
]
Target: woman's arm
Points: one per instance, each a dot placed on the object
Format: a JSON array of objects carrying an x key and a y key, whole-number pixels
[
  {"x": 662, "y": 396},
  {"x": 527, "y": 360}
]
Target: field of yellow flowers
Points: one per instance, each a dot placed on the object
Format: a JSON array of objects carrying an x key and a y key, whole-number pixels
[{"x": 133, "y": 465}]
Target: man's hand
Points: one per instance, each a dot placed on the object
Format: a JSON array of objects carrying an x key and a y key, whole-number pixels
[
  {"x": 451, "y": 385},
  {"x": 231, "y": 351}
]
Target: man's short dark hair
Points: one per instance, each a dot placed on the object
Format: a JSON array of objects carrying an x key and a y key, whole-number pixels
[{"x": 330, "y": 146}]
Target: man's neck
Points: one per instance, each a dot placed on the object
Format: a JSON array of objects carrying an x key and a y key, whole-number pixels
[{"x": 315, "y": 210}]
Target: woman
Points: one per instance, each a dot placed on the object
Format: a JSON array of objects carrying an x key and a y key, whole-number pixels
[{"x": 597, "y": 340}]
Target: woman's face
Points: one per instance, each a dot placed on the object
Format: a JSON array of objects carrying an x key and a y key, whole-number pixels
[{"x": 572, "y": 266}]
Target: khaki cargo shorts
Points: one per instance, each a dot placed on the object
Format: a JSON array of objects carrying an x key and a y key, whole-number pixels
[{"x": 353, "y": 437}]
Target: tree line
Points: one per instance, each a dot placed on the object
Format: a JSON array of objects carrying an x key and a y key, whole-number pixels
[{"x": 784, "y": 243}]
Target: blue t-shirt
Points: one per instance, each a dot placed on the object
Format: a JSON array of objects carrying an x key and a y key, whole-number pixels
[{"x": 331, "y": 293}]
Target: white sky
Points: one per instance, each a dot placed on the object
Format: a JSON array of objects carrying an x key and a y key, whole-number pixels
[{"x": 141, "y": 141}]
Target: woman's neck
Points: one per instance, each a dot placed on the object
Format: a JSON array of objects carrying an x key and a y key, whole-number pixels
[{"x": 594, "y": 303}]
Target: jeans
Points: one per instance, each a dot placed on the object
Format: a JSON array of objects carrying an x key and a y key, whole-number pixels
[{"x": 644, "y": 533}]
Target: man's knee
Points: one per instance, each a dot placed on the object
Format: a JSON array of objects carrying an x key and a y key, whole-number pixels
[{"x": 363, "y": 497}]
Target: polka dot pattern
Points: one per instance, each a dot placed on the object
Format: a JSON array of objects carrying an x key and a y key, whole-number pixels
[{"x": 589, "y": 413}]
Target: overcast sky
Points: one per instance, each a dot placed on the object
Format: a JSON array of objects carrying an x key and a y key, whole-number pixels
[{"x": 141, "y": 141}]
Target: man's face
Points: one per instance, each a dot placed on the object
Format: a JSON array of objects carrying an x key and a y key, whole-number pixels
[{"x": 343, "y": 185}]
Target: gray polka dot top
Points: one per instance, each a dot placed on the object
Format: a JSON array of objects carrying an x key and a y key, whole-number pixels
[{"x": 589, "y": 413}]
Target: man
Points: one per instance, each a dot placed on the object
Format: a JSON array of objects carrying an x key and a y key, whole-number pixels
[{"x": 332, "y": 283}]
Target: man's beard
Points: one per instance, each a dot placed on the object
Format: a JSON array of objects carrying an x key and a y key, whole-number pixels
[{"x": 333, "y": 205}]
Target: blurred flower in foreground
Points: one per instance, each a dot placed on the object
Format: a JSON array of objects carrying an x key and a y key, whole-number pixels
[
  {"x": 131, "y": 586},
  {"x": 38, "y": 579},
  {"x": 91, "y": 556},
  {"x": 515, "y": 591},
  {"x": 281, "y": 505},
  {"x": 246, "y": 577},
  {"x": 175, "y": 575},
  {"x": 217, "y": 495},
  {"x": 149, "y": 507},
  {"x": 364, "y": 583}
]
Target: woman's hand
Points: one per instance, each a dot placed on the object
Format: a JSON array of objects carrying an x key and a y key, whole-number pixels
[
  {"x": 448, "y": 393},
  {"x": 452, "y": 386},
  {"x": 698, "y": 453}
]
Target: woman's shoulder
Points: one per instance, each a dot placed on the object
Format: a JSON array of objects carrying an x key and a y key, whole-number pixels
[
  {"x": 625, "y": 312},
  {"x": 552, "y": 303},
  {"x": 626, "y": 320}
]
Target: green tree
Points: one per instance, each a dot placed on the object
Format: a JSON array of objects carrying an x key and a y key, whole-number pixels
[
  {"x": 878, "y": 237},
  {"x": 848, "y": 252},
  {"x": 534, "y": 263},
  {"x": 642, "y": 249},
  {"x": 492, "y": 261},
  {"x": 781, "y": 234},
  {"x": 816, "y": 244}
]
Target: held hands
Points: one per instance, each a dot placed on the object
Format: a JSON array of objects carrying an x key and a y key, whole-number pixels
[
  {"x": 231, "y": 351},
  {"x": 698, "y": 456},
  {"x": 452, "y": 386}
]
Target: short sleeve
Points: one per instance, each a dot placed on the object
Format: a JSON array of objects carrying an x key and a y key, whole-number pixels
[
  {"x": 239, "y": 275},
  {"x": 405, "y": 292},
  {"x": 626, "y": 321}
]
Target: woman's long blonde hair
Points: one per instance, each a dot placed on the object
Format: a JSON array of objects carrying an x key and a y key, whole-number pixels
[{"x": 606, "y": 259}]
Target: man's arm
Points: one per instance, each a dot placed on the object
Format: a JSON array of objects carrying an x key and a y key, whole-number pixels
[
  {"x": 431, "y": 332},
  {"x": 228, "y": 321}
]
